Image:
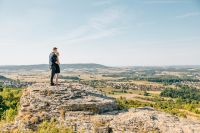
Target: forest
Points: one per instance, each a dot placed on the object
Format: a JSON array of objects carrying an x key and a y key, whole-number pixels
[{"x": 185, "y": 92}]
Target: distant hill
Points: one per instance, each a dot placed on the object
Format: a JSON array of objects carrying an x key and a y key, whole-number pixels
[
  {"x": 86, "y": 66},
  {"x": 2, "y": 78},
  {"x": 46, "y": 67}
]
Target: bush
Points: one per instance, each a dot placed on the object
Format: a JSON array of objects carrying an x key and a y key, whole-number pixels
[
  {"x": 126, "y": 104},
  {"x": 10, "y": 114},
  {"x": 51, "y": 127},
  {"x": 175, "y": 107},
  {"x": 146, "y": 93},
  {"x": 9, "y": 103},
  {"x": 1, "y": 87}
]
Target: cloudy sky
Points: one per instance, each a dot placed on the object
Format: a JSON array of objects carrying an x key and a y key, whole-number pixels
[{"x": 109, "y": 32}]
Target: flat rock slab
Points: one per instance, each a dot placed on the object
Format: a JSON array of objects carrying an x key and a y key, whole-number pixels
[
  {"x": 41, "y": 102},
  {"x": 67, "y": 97}
]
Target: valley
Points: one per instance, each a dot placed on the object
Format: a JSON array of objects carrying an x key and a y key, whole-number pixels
[{"x": 174, "y": 90}]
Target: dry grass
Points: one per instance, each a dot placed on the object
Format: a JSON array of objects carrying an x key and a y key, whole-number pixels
[{"x": 62, "y": 113}]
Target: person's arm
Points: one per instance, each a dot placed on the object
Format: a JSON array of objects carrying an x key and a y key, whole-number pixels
[
  {"x": 54, "y": 59},
  {"x": 58, "y": 61}
]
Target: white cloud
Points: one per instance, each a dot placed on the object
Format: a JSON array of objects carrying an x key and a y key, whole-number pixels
[
  {"x": 106, "y": 19},
  {"x": 100, "y": 26},
  {"x": 190, "y": 14}
]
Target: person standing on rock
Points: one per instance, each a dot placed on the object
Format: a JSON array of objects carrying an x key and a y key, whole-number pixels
[{"x": 54, "y": 65}]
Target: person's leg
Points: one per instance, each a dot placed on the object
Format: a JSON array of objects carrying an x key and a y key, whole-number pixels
[
  {"x": 52, "y": 75},
  {"x": 57, "y": 76}
]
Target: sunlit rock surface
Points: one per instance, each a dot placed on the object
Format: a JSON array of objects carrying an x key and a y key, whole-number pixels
[{"x": 85, "y": 109}]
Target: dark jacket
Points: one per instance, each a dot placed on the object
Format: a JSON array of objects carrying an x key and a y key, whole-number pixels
[{"x": 52, "y": 60}]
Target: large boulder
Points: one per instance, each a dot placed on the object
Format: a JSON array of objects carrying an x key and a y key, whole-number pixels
[{"x": 43, "y": 102}]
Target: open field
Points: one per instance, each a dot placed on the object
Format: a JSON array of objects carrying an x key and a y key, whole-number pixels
[{"x": 141, "y": 84}]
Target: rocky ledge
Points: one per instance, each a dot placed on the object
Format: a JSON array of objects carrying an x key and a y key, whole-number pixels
[{"x": 84, "y": 108}]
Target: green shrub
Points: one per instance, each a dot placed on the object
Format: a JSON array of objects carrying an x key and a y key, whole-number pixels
[
  {"x": 146, "y": 93},
  {"x": 126, "y": 104},
  {"x": 51, "y": 127},
  {"x": 9, "y": 103},
  {"x": 10, "y": 114},
  {"x": 169, "y": 106}
]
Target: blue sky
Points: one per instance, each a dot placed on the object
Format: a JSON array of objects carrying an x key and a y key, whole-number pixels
[{"x": 110, "y": 32}]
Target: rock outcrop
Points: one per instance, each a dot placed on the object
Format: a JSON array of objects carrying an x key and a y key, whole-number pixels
[
  {"x": 84, "y": 108},
  {"x": 147, "y": 119}
]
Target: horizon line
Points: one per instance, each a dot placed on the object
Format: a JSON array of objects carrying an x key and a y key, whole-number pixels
[{"x": 105, "y": 65}]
